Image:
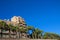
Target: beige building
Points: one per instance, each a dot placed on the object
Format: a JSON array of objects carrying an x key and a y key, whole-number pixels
[{"x": 17, "y": 20}]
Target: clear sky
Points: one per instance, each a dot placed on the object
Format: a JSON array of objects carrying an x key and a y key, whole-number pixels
[{"x": 42, "y": 14}]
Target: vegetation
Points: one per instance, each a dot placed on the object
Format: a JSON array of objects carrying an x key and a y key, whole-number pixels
[{"x": 36, "y": 33}]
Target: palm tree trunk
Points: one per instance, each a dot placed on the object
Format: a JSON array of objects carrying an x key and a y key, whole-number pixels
[
  {"x": 16, "y": 34},
  {"x": 9, "y": 33},
  {"x": 32, "y": 36},
  {"x": 19, "y": 34},
  {"x": 1, "y": 33},
  {"x": 41, "y": 36},
  {"x": 35, "y": 36},
  {"x": 38, "y": 36}
]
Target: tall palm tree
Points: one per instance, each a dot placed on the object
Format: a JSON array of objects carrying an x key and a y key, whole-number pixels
[
  {"x": 46, "y": 36},
  {"x": 2, "y": 26},
  {"x": 40, "y": 34},
  {"x": 22, "y": 30},
  {"x": 10, "y": 28},
  {"x": 16, "y": 29},
  {"x": 37, "y": 33},
  {"x": 32, "y": 29}
]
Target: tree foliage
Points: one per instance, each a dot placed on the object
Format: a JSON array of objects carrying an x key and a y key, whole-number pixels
[{"x": 36, "y": 33}]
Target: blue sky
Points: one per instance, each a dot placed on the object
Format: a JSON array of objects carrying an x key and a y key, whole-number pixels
[{"x": 42, "y": 14}]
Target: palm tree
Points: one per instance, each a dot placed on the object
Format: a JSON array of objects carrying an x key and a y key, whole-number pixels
[
  {"x": 54, "y": 36},
  {"x": 40, "y": 34},
  {"x": 32, "y": 29},
  {"x": 10, "y": 28},
  {"x": 2, "y": 26},
  {"x": 22, "y": 30},
  {"x": 48, "y": 35},
  {"x": 37, "y": 33},
  {"x": 13, "y": 29},
  {"x": 16, "y": 29}
]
